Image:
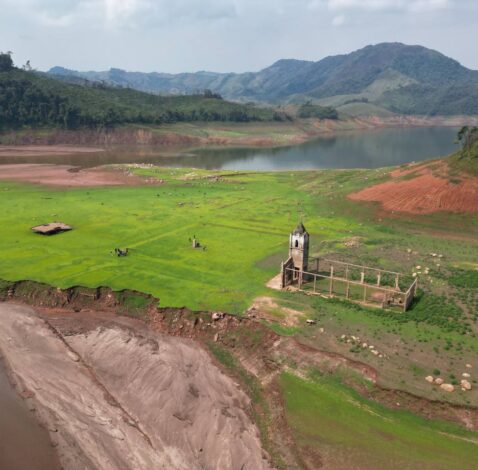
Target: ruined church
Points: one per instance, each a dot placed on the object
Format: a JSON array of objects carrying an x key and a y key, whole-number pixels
[{"x": 332, "y": 278}]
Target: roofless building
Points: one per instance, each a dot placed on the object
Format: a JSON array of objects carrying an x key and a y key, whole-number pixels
[{"x": 332, "y": 278}]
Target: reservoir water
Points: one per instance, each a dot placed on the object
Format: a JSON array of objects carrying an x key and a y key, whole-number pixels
[
  {"x": 358, "y": 149},
  {"x": 354, "y": 149},
  {"x": 24, "y": 444}
]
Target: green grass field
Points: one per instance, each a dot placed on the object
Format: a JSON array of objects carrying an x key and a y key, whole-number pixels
[
  {"x": 352, "y": 432},
  {"x": 242, "y": 220}
]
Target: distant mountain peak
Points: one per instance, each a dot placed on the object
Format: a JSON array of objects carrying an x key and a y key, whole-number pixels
[
  {"x": 57, "y": 70},
  {"x": 398, "y": 77}
]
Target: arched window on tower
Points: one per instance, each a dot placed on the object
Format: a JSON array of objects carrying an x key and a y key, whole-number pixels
[{"x": 297, "y": 243}]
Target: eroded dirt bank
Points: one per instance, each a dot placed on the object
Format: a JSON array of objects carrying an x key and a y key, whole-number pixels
[
  {"x": 424, "y": 189},
  {"x": 116, "y": 397}
]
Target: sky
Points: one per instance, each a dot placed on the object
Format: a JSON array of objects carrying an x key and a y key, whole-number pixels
[{"x": 225, "y": 35}]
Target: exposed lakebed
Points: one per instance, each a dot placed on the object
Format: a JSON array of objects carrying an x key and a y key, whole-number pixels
[{"x": 371, "y": 148}]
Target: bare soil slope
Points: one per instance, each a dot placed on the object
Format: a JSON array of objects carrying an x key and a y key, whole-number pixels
[
  {"x": 116, "y": 398},
  {"x": 424, "y": 189}
]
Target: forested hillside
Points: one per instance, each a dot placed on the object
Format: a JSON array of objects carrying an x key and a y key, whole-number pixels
[
  {"x": 30, "y": 99},
  {"x": 396, "y": 77}
]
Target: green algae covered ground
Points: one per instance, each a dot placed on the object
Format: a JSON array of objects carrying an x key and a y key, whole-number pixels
[{"x": 242, "y": 220}]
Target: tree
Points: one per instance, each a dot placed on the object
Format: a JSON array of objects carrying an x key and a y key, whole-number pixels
[
  {"x": 6, "y": 62},
  {"x": 467, "y": 136},
  {"x": 209, "y": 94}
]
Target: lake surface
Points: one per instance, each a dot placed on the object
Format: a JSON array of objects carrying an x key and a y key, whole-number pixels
[
  {"x": 358, "y": 149},
  {"x": 23, "y": 443},
  {"x": 355, "y": 149}
]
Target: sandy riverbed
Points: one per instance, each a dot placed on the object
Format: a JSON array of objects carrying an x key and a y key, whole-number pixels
[{"x": 119, "y": 396}]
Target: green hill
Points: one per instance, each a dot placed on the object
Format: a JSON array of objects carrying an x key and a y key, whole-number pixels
[
  {"x": 393, "y": 76},
  {"x": 31, "y": 99},
  {"x": 466, "y": 159}
]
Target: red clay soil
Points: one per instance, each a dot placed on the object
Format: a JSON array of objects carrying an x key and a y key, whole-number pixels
[
  {"x": 429, "y": 191},
  {"x": 68, "y": 176}
]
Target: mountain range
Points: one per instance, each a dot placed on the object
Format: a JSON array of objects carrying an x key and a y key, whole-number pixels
[{"x": 378, "y": 79}]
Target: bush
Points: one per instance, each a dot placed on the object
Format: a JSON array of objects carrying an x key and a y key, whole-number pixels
[{"x": 309, "y": 110}]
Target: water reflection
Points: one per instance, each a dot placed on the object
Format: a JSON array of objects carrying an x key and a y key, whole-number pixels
[{"x": 357, "y": 149}]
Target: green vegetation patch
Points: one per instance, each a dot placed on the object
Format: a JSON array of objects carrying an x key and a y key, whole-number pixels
[
  {"x": 465, "y": 278},
  {"x": 309, "y": 110},
  {"x": 32, "y": 100},
  {"x": 349, "y": 431}
]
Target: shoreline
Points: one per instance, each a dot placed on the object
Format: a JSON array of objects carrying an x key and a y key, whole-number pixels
[
  {"x": 184, "y": 136},
  {"x": 110, "y": 166}
]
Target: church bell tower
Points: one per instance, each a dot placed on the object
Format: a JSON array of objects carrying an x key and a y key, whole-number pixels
[{"x": 299, "y": 247}]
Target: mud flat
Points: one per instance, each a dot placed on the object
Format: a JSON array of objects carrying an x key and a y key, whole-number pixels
[
  {"x": 119, "y": 396},
  {"x": 67, "y": 176}
]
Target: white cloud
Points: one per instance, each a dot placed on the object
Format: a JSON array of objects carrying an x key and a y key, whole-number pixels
[
  {"x": 429, "y": 5},
  {"x": 55, "y": 21},
  {"x": 120, "y": 13},
  {"x": 131, "y": 13},
  {"x": 226, "y": 35},
  {"x": 381, "y": 5},
  {"x": 338, "y": 20}
]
